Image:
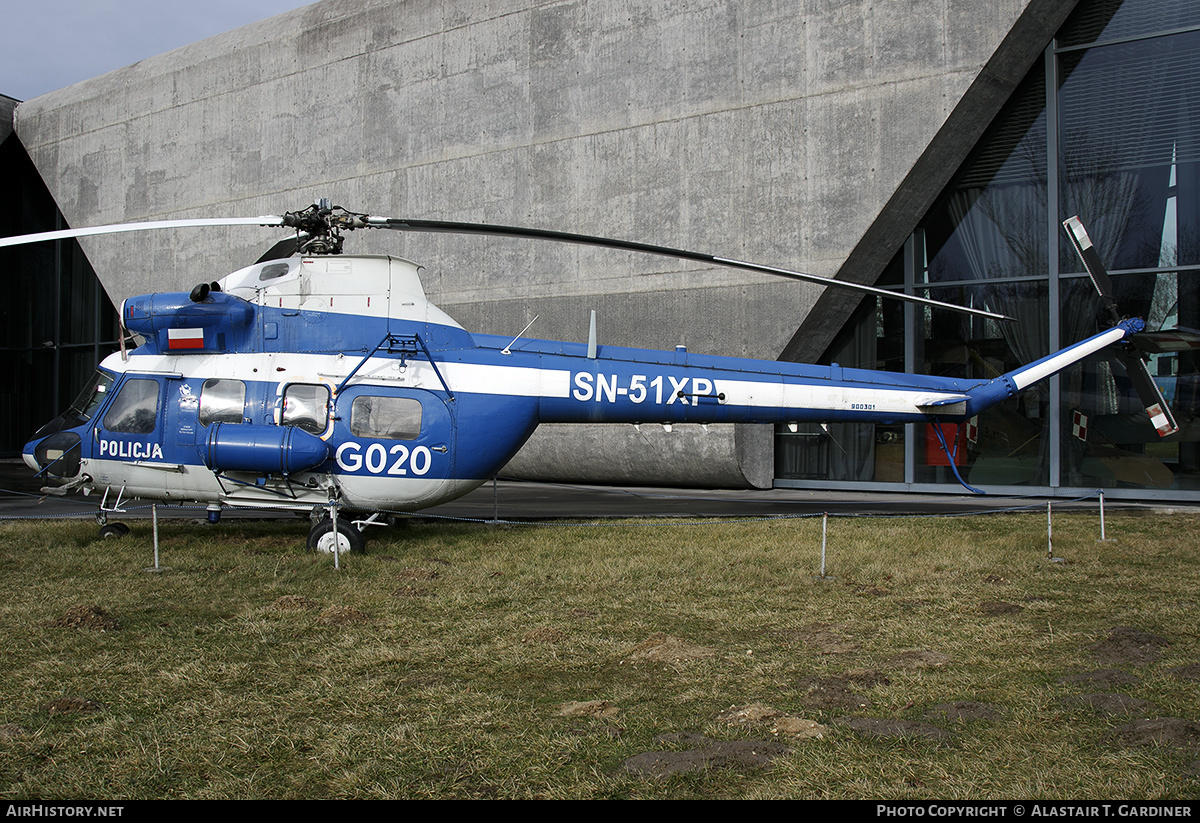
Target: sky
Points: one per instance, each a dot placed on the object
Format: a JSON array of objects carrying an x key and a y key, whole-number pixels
[{"x": 48, "y": 44}]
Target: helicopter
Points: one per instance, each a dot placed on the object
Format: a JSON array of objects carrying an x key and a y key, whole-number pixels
[{"x": 327, "y": 383}]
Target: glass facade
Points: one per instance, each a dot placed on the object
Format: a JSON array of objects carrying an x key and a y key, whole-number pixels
[
  {"x": 1103, "y": 127},
  {"x": 56, "y": 322}
]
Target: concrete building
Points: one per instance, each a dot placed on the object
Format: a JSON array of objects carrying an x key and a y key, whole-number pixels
[{"x": 829, "y": 137}]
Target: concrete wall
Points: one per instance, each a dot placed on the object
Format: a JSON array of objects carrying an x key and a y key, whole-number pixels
[
  {"x": 714, "y": 457},
  {"x": 769, "y": 131}
]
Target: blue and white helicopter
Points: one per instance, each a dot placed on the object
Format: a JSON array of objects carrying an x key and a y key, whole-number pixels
[{"x": 317, "y": 382}]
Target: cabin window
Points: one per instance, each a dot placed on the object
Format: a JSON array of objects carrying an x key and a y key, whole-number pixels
[
  {"x": 135, "y": 409},
  {"x": 306, "y": 406},
  {"x": 273, "y": 271},
  {"x": 222, "y": 401},
  {"x": 387, "y": 418}
]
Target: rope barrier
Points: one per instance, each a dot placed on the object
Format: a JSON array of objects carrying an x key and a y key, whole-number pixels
[{"x": 606, "y": 521}]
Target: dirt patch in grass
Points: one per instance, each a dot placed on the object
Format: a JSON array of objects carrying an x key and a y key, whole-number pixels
[
  {"x": 544, "y": 634},
  {"x": 920, "y": 659},
  {"x": 1103, "y": 677},
  {"x": 1110, "y": 703},
  {"x": 1125, "y": 644},
  {"x": 889, "y": 729},
  {"x": 1189, "y": 672},
  {"x": 840, "y": 692},
  {"x": 993, "y": 608},
  {"x": 777, "y": 721},
  {"x": 963, "y": 711},
  {"x": 706, "y": 754},
  {"x": 88, "y": 617},
  {"x": 662, "y": 648},
  {"x": 1161, "y": 731},
  {"x": 588, "y": 708},
  {"x": 863, "y": 590},
  {"x": 754, "y": 714},
  {"x": 827, "y": 639}
]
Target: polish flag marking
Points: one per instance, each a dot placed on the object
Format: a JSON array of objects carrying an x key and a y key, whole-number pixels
[{"x": 185, "y": 338}]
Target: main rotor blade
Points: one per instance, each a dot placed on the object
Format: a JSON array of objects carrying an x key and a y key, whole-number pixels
[
  {"x": 283, "y": 249},
  {"x": 63, "y": 234},
  {"x": 448, "y": 227}
]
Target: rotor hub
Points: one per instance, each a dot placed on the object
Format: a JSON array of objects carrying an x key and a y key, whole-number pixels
[{"x": 324, "y": 224}]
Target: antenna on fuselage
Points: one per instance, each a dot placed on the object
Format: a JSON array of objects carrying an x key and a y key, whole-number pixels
[{"x": 507, "y": 349}]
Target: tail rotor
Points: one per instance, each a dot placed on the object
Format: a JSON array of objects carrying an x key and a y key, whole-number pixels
[{"x": 1130, "y": 354}]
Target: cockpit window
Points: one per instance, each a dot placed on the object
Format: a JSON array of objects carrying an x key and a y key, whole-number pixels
[
  {"x": 93, "y": 394},
  {"x": 135, "y": 409}
]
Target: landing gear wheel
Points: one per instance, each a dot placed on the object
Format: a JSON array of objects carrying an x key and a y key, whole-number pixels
[
  {"x": 113, "y": 531},
  {"x": 349, "y": 539}
]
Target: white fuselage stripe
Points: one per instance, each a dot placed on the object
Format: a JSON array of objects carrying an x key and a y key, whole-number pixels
[
  {"x": 829, "y": 397},
  {"x": 524, "y": 381}
]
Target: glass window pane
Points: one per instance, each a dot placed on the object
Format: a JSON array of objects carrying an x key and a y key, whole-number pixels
[
  {"x": 222, "y": 401},
  {"x": 306, "y": 406},
  {"x": 991, "y": 222},
  {"x": 1108, "y": 440},
  {"x": 135, "y": 409},
  {"x": 389, "y": 418},
  {"x": 1130, "y": 151},
  {"x": 93, "y": 394},
  {"x": 1099, "y": 20},
  {"x": 1007, "y": 444}
]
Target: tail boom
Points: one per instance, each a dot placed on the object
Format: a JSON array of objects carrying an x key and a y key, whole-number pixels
[{"x": 1008, "y": 385}]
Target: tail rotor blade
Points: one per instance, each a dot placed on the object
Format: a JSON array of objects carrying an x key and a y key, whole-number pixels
[
  {"x": 1091, "y": 261},
  {"x": 1150, "y": 394}
]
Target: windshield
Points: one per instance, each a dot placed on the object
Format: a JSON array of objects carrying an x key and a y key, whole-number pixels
[{"x": 92, "y": 396}]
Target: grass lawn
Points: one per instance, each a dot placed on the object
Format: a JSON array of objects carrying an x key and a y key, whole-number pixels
[{"x": 940, "y": 658}]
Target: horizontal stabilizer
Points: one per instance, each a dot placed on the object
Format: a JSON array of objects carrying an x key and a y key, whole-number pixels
[
  {"x": 1166, "y": 341},
  {"x": 936, "y": 400},
  {"x": 946, "y": 404}
]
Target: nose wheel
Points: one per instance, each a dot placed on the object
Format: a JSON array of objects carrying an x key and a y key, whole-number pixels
[
  {"x": 113, "y": 531},
  {"x": 321, "y": 537}
]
